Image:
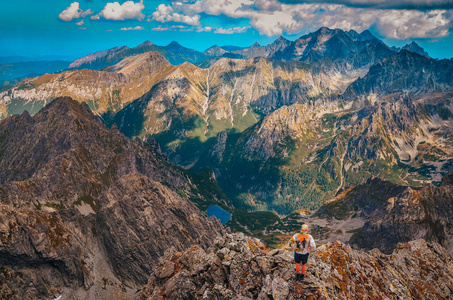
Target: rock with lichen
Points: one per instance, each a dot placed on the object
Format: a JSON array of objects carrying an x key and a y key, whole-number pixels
[
  {"x": 415, "y": 270},
  {"x": 86, "y": 213}
]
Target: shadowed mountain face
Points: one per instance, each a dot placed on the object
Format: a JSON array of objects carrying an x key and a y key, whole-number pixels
[
  {"x": 86, "y": 211},
  {"x": 393, "y": 214},
  {"x": 405, "y": 72}
]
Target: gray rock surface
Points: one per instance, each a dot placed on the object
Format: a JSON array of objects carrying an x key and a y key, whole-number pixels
[
  {"x": 415, "y": 270},
  {"x": 85, "y": 212}
]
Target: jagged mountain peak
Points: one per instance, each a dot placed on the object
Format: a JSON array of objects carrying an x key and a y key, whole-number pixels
[
  {"x": 414, "y": 47},
  {"x": 324, "y": 30},
  {"x": 174, "y": 44},
  {"x": 365, "y": 35},
  {"x": 66, "y": 106},
  {"x": 255, "y": 45},
  {"x": 215, "y": 51},
  {"x": 96, "y": 55},
  {"x": 145, "y": 44},
  {"x": 406, "y": 71},
  {"x": 148, "y": 61},
  {"x": 281, "y": 39}
]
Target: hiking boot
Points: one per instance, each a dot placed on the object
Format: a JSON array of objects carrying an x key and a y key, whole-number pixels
[
  {"x": 301, "y": 276},
  {"x": 297, "y": 277}
]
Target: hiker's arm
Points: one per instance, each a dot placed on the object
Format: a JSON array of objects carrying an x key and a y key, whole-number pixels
[
  {"x": 291, "y": 241},
  {"x": 312, "y": 244}
]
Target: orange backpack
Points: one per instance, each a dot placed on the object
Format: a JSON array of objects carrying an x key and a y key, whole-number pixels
[{"x": 302, "y": 241}]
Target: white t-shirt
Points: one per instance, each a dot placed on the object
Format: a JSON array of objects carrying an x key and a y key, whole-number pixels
[{"x": 304, "y": 250}]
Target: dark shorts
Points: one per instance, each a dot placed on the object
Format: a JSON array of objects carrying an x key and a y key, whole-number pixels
[{"x": 301, "y": 258}]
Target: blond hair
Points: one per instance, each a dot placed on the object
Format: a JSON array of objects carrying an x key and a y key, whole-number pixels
[{"x": 304, "y": 228}]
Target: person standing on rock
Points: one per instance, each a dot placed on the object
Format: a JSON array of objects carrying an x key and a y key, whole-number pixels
[{"x": 303, "y": 243}]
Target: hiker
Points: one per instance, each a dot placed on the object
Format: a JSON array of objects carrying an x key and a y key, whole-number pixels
[{"x": 304, "y": 243}]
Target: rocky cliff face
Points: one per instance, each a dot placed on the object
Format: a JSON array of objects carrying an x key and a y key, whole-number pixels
[
  {"x": 106, "y": 92},
  {"x": 407, "y": 71},
  {"x": 302, "y": 154},
  {"x": 85, "y": 212},
  {"x": 411, "y": 214},
  {"x": 238, "y": 268},
  {"x": 192, "y": 104}
]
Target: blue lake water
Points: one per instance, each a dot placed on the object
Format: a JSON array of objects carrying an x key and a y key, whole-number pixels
[{"x": 219, "y": 213}]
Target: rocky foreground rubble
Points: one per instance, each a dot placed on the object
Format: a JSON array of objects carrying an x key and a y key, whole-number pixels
[{"x": 239, "y": 267}]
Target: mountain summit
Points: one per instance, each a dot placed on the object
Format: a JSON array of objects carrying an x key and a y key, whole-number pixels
[{"x": 414, "y": 47}]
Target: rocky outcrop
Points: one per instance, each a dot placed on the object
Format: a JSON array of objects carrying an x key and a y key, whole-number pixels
[
  {"x": 237, "y": 267},
  {"x": 410, "y": 214},
  {"x": 414, "y": 47},
  {"x": 407, "y": 71},
  {"x": 85, "y": 212}
]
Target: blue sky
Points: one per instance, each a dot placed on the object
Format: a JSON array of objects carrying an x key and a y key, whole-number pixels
[{"x": 76, "y": 28}]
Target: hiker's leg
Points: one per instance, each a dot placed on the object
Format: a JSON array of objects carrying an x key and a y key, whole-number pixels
[
  {"x": 297, "y": 260},
  {"x": 304, "y": 262}
]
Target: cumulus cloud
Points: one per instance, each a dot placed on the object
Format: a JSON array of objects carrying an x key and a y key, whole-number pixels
[
  {"x": 119, "y": 12},
  {"x": 204, "y": 29},
  {"x": 384, "y": 4},
  {"x": 165, "y": 13},
  {"x": 231, "y": 30},
  {"x": 73, "y": 11},
  {"x": 132, "y": 28},
  {"x": 272, "y": 18},
  {"x": 80, "y": 23},
  {"x": 413, "y": 24},
  {"x": 160, "y": 28}
]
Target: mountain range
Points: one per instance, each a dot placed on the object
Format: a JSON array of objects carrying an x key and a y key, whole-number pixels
[
  {"x": 284, "y": 126},
  {"x": 87, "y": 213},
  {"x": 109, "y": 169}
]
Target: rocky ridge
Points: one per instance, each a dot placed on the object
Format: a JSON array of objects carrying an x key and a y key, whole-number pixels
[
  {"x": 106, "y": 92},
  {"x": 85, "y": 212},
  {"x": 407, "y": 71},
  {"x": 237, "y": 267},
  {"x": 173, "y": 52}
]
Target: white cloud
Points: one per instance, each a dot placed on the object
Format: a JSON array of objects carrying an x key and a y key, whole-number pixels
[
  {"x": 132, "y": 28},
  {"x": 204, "y": 29},
  {"x": 384, "y": 4},
  {"x": 166, "y": 13},
  {"x": 73, "y": 11},
  {"x": 272, "y": 18},
  {"x": 80, "y": 23},
  {"x": 407, "y": 24},
  {"x": 119, "y": 12},
  {"x": 231, "y": 30},
  {"x": 160, "y": 28}
]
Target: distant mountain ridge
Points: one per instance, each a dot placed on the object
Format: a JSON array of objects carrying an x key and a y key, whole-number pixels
[
  {"x": 173, "y": 52},
  {"x": 324, "y": 43}
]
